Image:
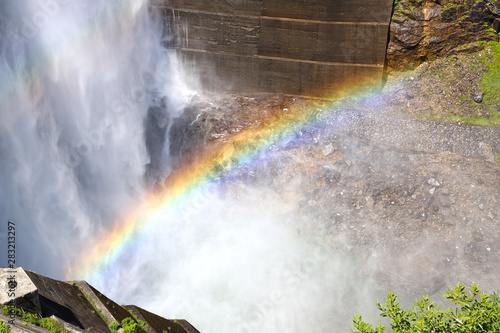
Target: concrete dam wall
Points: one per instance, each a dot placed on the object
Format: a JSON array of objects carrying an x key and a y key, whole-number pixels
[{"x": 297, "y": 47}]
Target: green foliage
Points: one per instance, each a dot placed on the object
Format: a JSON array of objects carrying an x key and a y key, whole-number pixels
[
  {"x": 129, "y": 325},
  {"x": 51, "y": 325},
  {"x": 363, "y": 327},
  {"x": 114, "y": 326},
  {"x": 47, "y": 323},
  {"x": 4, "y": 327},
  {"x": 476, "y": 312},
  {"x": 490, "y": 84},
  {"x": 449, "y": 5}
]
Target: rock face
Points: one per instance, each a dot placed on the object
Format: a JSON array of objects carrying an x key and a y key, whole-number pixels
[
  {"x": 295, "y": 47},
  {"x": 426, "y": 29}
]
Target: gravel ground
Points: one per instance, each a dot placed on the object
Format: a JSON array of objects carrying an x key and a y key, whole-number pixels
[{"x": 399, "y": 179}]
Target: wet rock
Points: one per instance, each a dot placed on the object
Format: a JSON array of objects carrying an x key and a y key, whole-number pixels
[
  {"x": 425, "y": 30},
  {"x": 328, "y": 149},
  {"x": 493, "y": 6},
  {"x": 433, "y": 182},
  {"x": 478, "y": 97}
]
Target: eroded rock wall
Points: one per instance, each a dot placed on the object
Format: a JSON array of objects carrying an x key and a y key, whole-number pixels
[{"x": 424, "y": 30}]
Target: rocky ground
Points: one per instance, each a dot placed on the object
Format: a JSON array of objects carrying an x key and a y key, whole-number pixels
[
  {"x": 463, "y": 87},
  {"x": 398, "y": 179}
]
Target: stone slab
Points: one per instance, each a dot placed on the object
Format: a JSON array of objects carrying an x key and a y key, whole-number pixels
[
  {"x": 66, "y": 301},
  {"x": 23, "y": 285},
  {"x": 157, "y": 324}
]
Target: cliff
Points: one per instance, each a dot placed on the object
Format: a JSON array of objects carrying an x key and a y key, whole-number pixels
[{"x": 425, "y": 30}]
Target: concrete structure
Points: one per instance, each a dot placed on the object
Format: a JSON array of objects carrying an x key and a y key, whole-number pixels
[
  {"x": 298, "y": 47},
  {"x": 157, "y": 324},
  {"x": 77, "y": 305}
]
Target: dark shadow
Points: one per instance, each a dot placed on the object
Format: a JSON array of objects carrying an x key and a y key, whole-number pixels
[
  {"x": 385, "y": 74},
  {"x": 51, "y": 308}
]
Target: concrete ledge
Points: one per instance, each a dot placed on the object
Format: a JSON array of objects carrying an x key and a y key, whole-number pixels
[
  {"x": 157, "y": 324},
  {"x": 68, "y": 304},
  {"x": 320, "y": 10}
]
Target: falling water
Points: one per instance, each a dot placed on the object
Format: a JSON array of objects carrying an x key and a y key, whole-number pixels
[{"x": 87, "y": 95}]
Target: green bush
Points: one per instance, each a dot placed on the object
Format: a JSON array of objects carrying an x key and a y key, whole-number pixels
[
  {"x": 114, "y": 326},
  {"x": 47, "y": 323},
  {"x": 131, "y": 326},
  {"x": 4, "y": 327},
  {"x": 475, "y": 313}
]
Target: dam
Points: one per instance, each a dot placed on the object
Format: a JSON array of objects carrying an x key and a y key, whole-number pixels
[{"x": 297, "y": 47}]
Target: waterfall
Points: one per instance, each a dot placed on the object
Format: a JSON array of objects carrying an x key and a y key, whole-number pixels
[{"x": 87, "y": 96}]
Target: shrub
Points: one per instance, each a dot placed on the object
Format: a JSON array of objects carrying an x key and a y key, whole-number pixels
[
  {"x": 475, "y": 313},
  {"x": 47, "y": 323},
  {"x": 51, "y": 325},
  {"x": 131, "y": 326},
  {"x": 4, "y": 328},
  {"x": 114, "y": 326}
]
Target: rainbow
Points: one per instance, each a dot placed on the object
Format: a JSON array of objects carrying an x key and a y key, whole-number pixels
[{"x": 203, "y": 171}]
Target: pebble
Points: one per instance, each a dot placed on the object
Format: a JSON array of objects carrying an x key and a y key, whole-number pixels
[
  {"x": 327, "y": 150},
  {"x": 433, "y": 182},
  {"x": 478, "y": 97}
]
